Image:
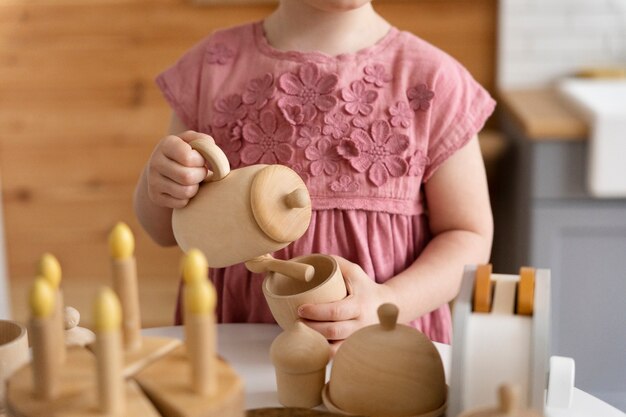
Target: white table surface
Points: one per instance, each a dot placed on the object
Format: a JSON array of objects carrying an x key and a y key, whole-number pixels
[{"x": 246, "y": 348}]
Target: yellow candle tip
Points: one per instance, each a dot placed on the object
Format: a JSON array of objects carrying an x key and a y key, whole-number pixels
[
  {"x": 41, "y": 298},
  {"x": 121, "y": 241},
  {"x": 50, "y": 269},
  {"x": 195, "y": 266},
  {"x": 107, "y": 311},
  {"x": 200, "y": 297}
]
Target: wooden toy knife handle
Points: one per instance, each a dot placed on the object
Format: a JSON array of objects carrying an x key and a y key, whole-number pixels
[{"x": 214, "y": 156}]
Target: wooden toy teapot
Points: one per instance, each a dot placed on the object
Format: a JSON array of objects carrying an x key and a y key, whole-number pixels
[{"x": 244, "y": 214}]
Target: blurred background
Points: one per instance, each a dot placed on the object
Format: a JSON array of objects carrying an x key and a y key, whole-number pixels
[{"x": 80, "y": 114}]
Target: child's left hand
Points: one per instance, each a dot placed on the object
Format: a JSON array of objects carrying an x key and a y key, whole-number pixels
[{"x": 338, "y": 320}]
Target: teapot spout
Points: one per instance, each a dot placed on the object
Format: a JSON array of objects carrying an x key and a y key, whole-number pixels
[{"x": 292, "y": 269}]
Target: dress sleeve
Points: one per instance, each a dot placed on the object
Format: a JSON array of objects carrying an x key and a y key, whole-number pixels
[
  {"x": 181, "y": 85},
  {"x": 460, "y": 108}
]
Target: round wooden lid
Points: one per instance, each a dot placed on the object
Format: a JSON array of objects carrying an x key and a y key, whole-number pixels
[{"x": 280, "y": 203}]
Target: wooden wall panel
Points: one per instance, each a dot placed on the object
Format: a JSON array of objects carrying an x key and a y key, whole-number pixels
[{"x": 80, "y": 114}]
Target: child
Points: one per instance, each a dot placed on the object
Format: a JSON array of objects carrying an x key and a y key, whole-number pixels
[{"x": 382, "y": 128}]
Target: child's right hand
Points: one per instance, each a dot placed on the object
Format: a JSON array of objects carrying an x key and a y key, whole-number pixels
[{"x": 175, "y": 170}]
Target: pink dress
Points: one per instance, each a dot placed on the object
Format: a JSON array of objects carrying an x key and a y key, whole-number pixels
[{"x": 364, "y": 130}]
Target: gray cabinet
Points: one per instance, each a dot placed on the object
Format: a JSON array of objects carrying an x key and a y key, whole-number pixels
[{"x": 544, "y": 218}]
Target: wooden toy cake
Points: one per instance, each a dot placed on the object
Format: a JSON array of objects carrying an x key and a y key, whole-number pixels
[{"x": 122, "y": 373}]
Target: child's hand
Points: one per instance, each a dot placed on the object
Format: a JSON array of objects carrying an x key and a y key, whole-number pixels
[
  {"x": 338, "y": 320},
  {"x": 175, "y": 170}
]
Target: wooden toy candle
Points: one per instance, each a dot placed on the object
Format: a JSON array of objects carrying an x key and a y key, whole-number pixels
[
  {"x": 195, "y": 266},
  {"x": 124, "y": 265},
  {"x": 50, "y": 269},
  {"x": 43, "y": 335},
  {"x": 200, "y": 332},
  {"x": 108, "y": 349}
]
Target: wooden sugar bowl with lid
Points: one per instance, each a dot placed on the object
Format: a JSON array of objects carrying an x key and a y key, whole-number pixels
[
  {"x": 387, "y": 369},
  {"x": 244, "y": 214},
  {"x": 300, "y": 355}
]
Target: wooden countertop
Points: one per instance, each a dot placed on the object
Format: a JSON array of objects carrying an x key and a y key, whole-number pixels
[{"x": 543, "y": 115}]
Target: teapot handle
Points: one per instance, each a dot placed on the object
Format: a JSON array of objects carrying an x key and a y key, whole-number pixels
[{"x": 213, "y": 155}]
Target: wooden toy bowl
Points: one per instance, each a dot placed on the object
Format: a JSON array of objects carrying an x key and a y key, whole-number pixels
[
  {"x": 13, "y": 352},
  {"x": 284, "y": 294}
]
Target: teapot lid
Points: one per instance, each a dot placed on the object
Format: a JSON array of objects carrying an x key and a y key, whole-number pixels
[{"x": 280, "y": 203}]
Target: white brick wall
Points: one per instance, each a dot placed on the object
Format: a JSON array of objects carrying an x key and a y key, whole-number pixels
[{"x": 542, "y": 40}]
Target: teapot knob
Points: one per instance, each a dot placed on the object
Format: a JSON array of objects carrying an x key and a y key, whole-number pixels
[
  {"x": 299, "y": 198},
  {"x": 388, "y": 316}
]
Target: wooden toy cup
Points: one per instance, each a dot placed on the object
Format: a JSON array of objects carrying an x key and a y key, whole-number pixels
[
  {"x": 13, "y": 352},
  {"x": 284, "y": 294}
]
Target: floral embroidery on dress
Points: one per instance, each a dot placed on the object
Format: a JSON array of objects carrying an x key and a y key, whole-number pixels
[
  {"x": 295, "y": 114},
  {"x": 219, "y": 54},
  {"x": 231, "y": 148},
  {"x": 324, "y": 158},
  {"x": 253, "y": 115},
  {"x": 348, "y": 149},
  {"x": 295, "y": 118},
  {"x": 230, "y": 140},
  {"x": 417, "y": 163},
  {"x": 376, "y": 152},
  {"x": 358, "y": 99},
  {"x": 375, "y": 74},
  {"x": 267, "y": 142},
  {"x": 420, "y": 97},
  {"x": 335, "y": 125},
  {"x": 259, "y": 91},
  {"x": 302, "y": 170},
  {"x": 229, "y": 110},
  {"x": 345, "y": 184},
  {"x": 236, "y": 133},
  {"x": 360, "y": 122},
  {"x": 401, "y": 114},
  {"x": 308, "y": 90},
  {"x": 308, "y": 135}
]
